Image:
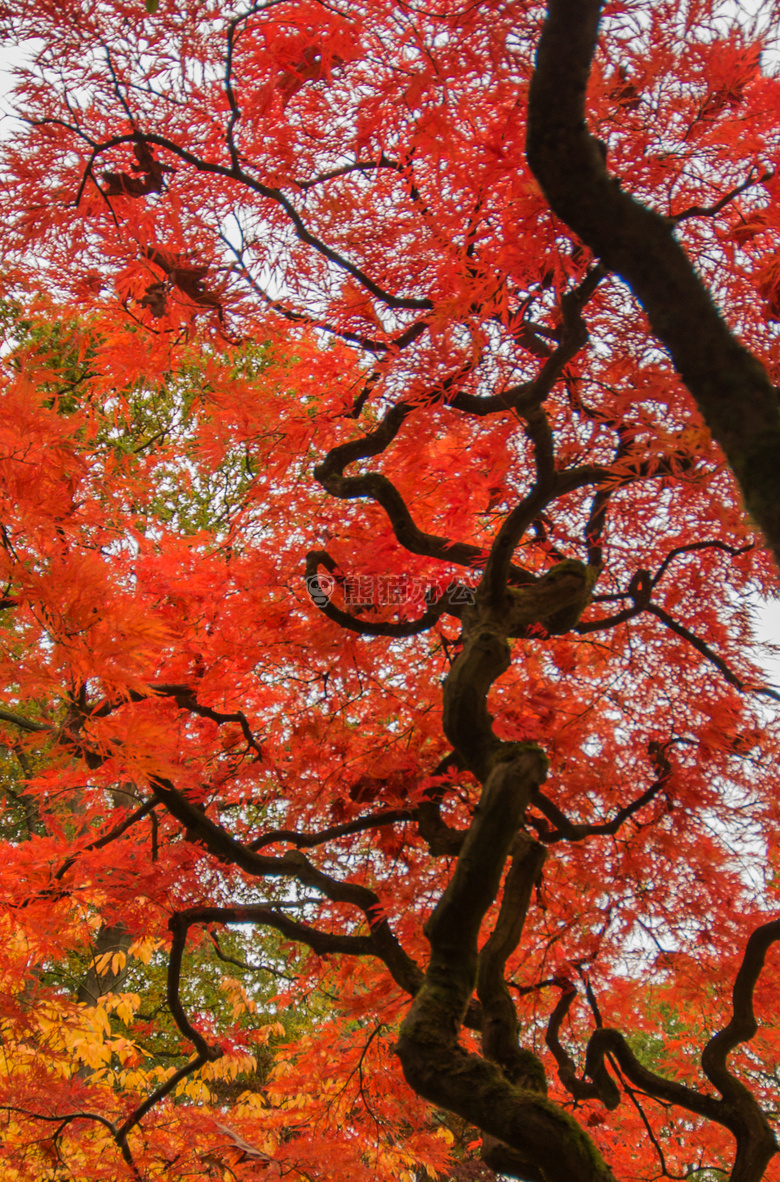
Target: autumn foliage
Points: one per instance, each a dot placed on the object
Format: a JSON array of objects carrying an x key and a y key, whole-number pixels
[{"x": 388, "y": 769}]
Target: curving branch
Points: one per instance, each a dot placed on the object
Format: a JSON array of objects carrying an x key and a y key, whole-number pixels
[
  {"x": 742, "y": 1025},
  {"x": 25, "y": 724},
  {"x": 66, "y": 1118},
  {"x": 321, "y": 599},
  {"x": 601, "y": 1086},
  {"x": 702, "y": 647},
  {"x": 606, "y": 1041},
  {"x": 693, "y": 547},
  {"x": 160, "y": 1093},
  {"x": 235, "y": 172},
  {"x": 323, "y": 943},
  {"x": 185, "y": 697},
  {"x": 738, "y": 1110},
  {"x": 115, "y": 832},
  {"x": 640, "y": 590},
  {"x": 594, "y": 527},
  {"x": 205, "y": 1052},
  {"x": 574, "y": 831},
  {"x": 711, "y": 211},
  {"x": 334, "y": 832},
  {"x": 374, "y": 486},
  {"x": 234, "y": 28},
  {"x": 293, "y": 864},
  {"x": 371, "y": 344},
  {"x": 527, "y": 397},
  {"x": 731, "y": 388},
  {"x": 499, "y": 564},
  {"x": 441, "y": 838}
]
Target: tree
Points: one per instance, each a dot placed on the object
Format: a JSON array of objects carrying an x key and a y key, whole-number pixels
[{"x": 376, "y": 592}]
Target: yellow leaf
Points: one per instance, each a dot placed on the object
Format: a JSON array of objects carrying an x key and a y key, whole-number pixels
[{"x": 143, "y": 949}]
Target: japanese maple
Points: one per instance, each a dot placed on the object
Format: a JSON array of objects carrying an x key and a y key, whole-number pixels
[{"x": 389, "y": 772}]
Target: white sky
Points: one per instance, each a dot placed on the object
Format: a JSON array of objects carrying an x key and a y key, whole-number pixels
[{"x": 768, "y": 631}]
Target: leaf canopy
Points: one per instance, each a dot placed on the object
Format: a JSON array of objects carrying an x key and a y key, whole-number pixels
[{"x": 388, "y": 768}]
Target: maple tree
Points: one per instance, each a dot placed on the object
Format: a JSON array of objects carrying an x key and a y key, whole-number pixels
[{"x": 388, "y": 772}]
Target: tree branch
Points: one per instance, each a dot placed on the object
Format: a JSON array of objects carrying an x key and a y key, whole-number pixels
[
  {"x": 24, "y": 724},
  {"x": 574, "y": 831},
  {"x": 606, "y": 1041},
  {"x": 334, "y": 832},
  {"x": 376, "y": 487},
  {"x": 113, "y": 834},
  {"x": 529, "y": 396},
  {"x": 730, "y": 386},
  {"x": 295, "y": 865},
  {"x": 602, "y": 1087},
  {"x": 185, "y": 697},
  {"x": 742, "y": 1025},
  {"x": 500, "y": 1028},
  {"x": 321, "y": 599},
  {"x": 275, "y": 195},
  {"x": 433, "y": 1062}
]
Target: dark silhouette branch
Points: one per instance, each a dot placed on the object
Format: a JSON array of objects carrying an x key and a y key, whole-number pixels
[
  {"x": 694, "y": 547},
  {"x": 63, "y": 1119},
  {"x": 640, "y": 590},
  {"x": 499, "y": 564},
  {"x": 602, "y": 1087},
  {"x": 574, "y": 831},
  {"x": 742, "y": 1025},
  {"x": 334, "y": 832},
  {"x": 527, "y": 397},
  {"x": 115, "y": 832},
  {"x": 700, "y": 645},
  {"x": 185, "y": 697},
  {"x": 321, "y": 599},
  {"x": 323, "y": 943},
  {"x": 606, "y": 1041},
  {"x": 711, "y": 211},
  {"x": 371, "y": 344},
  {"x": 160, "y": 1093},
  {"x": 730, "y": 386},
  {"x": 25, "y": 724},
  {"x": 293, "y": 865},
  {"x": 236, "y": 173}
]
